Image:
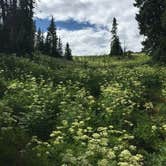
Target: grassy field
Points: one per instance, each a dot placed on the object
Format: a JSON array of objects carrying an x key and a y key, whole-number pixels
[{"x": 94, "y": 111}]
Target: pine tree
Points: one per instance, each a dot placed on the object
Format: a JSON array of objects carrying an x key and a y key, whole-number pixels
[
  {"x": 52, "y": 39},
  {"x": 17, "y": 31},
  {"x": 26, "y": 42},
  {"x": 60, "y": 47},
  {"x": 47, "y": 45},
  {"x": 40, "y": 41},
  {"x": 5, "y": 14},
  {"x": 116, "y": 49},
  {"x": 41, "y": 46},
  {"x": 68, "y": 52},
  {"x": 151, "y": 23}
]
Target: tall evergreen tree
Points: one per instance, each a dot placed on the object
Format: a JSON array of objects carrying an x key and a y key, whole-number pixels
[
  {"x": 40, "y": 41},
  {"x": 17, "y": 31},
  {"x": 151, "y": 19},
  {"x": 52, "y": 39},
  {"x": 42, "y": 44},
  {"x": 68, "y": 52},
  {"x": 60, "y": 47},
  {"x": 47, "y": 46},
  {"x": 116, "y": 49},
  {"x": 26, "y": 34},
  {"x": 5, "y": 14}
]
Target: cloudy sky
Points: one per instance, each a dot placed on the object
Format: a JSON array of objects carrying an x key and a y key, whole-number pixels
[{"x": 86, "y": 24}]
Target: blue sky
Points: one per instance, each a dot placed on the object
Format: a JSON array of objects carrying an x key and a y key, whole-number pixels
[
  {"x": 70, "y": 24},
  {"x": 86, "y": 24}
]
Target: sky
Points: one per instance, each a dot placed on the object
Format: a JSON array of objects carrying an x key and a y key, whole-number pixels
[{"x": 86, "y": 24}]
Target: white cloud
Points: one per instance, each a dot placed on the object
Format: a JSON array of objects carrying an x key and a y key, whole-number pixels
[
  {"x": 99, "y": 12},
  {"x": 86, "y": 41}
]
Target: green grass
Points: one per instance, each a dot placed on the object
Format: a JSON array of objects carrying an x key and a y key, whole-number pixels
[{"x": 92, "y": 111}]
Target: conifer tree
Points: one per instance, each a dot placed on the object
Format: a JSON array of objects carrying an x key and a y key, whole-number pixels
[
  {"x": 41, "y": 46},
  {"x": 151, "y": 19},
  {"x": 40, "y": 41},
  {"x": 26, "y": 34},
  {"x": 68, "y": 52},
  {"x": 47, "y": 46},
  {"x": 5, "y": 17},
  {"x": 116, "y": 49},
  {"x": 60, "y": 47},
  {"x": 17, "y": 28},
  {"x": 52, "y": 39}
]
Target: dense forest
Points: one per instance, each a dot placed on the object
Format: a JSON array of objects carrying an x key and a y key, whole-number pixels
[{"x": 57, "y": 109}]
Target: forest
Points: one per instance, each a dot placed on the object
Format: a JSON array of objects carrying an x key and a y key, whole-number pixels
[{"x": 59, "y": 109}]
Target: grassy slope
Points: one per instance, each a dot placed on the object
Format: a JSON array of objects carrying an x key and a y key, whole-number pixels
[{"x": 132, "y": 88}]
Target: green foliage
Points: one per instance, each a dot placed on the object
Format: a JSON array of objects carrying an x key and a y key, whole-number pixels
[
  {"x": 52, "y": 40},
  {"x": 116, "y": 49},
  {"x": 17, "y": 27},
  {"x": 3, "y": 87},
  {"x": 151, "y": 19},
  {"x": 40, "y": 41},
  {"x": 68, "y": 53},
  {"x": 90, "y": 111}
]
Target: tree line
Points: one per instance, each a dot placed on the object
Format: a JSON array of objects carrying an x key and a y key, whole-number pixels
[
  {"x": 52, "y": 44},
  {"x": 16, "y": 26},
  {"x": 152, "y": 24},
  {"x": 17, "y": 30}
]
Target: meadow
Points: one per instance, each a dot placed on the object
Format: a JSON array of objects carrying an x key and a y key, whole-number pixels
[{"x": 93, "y": 111}]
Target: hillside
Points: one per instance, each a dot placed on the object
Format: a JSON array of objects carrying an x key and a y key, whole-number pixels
[{"x": 91, "y": 111}]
